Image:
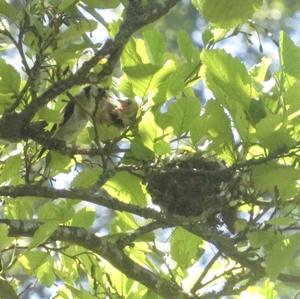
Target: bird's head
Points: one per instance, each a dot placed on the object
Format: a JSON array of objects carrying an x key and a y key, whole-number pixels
[{"x": 128, "y": 111}]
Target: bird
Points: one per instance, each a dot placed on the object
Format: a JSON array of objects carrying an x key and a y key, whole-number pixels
[
  {"x": 94, "y": 103},
  {"x": 91, "y": 103}
]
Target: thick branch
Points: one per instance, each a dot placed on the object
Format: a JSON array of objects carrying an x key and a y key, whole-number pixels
[
  {"x": 195, "y": 225},
  {"x": 106, "y": 249},
  {"x": 136, "y": 17},
  {"x": 99, "y": 198}
]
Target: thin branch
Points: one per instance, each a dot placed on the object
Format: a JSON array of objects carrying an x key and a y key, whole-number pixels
[
  {"x": 198, "y": 283},
  {"x": 137, "y": 15},
  {"x": 128, "y": 239},
  {"x": 106, "y": 249},
  {"x": 133, "y": 21}
]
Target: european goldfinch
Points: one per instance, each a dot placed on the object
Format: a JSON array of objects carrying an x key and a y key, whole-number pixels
[{"x": 94, "y": 103}]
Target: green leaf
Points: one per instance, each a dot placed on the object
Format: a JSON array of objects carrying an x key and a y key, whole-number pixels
[
  {"x": 265, "y": 239},
  {"x": 6, "y": 290},
  {"x": 9, "y": 78},
  {"x": 286, "y": 250},
  {"x": 75, "y": 30},
  {"x": 151, "y": 295},
  {"x": 49, "y": 115},
  {"x": 162, "y": 147},
  {"x": 289, "y": 55},
  {"x": 85, "y": 217},
  {"x": 21, "y": 208},
  {"x": 5, "y": 101},
  {"x": 64, "y": 4},
  {"x": 63, "y": 293},
  {"x": 59, "y": 163},
  {"x": 282, "y": 221},
  {"x": 176, "y": 82},
  {"x": 125, "y": 86},
  {"x": 140, "y": 151},
  {"x": 68, "y": 270},
  {"x": 8, "y": 10},
  {"x": 141, "y": 70},
  {"x": 183, "y": 112},
  {"x": 232, "y": 91},
  {"x": 150, "y": 132},
  {"x": 87, "y": 177},
  {"x": 11, "y": 169},
  {"x": 81, "y": 294},
  {"x": 130, "y": 55},
  {"x": 185, "y": 248},
  {"x": 58, "y": 210},
  {"x": 43, "y": 233},
  {"x": 40, "y": 264},
  {"x": 155, "y": 46},
  {"x": 227, "y": 78},
  {"x": 207, "y": 36},
  {"x": 227, "y": 13},
  {"x": 269, "y": 176},
  {"x": 256, "y": 111},
  {"x": 259, "y": 71},
  {"x": 273, "y": 133},
  {"x": 126, "y": 187},
  {"x": 214, "y": 124},
  {"x": 291, "y": 99},
  {"x": 102, "y": 3},
  {"x": 143, "y": 76},
  {"x": 124, "y": 222},
  {"x": 70, "y": 51},
  {"x": 188, "y": 49},
  {"x": 269, "y": 290},
  {"x": 5, "y": 239}
]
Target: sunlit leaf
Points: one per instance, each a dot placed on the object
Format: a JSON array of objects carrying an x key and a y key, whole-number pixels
[
  {"x": 183, "y": 112},
  {"x": 289, "y": 55},
  {"x": 87, "y": 177},
  {"x": 43, "y": 233},
  {"x": 39, "y": 264},
  {"x": 11, "y": 169},
  {"x": 83, "y": 218},
  {"x": 188, "y": 49},
  {"x": 9, "y": 78},
  {"x": 142, "y": 70},
  {"x": 273, "y": 133},
  {"x": 265, "y": 239},
  {"x": 58, "y": 163},
  {"x": 75, "y": 30},
  {"x": 21, "y": 208},
  {"x": 286, "y": 251},
  {"x": 5, "y": 239},
  {"x": 126, "y": 187},
  {"x": 227, "y": 77},
  {"x": 227, "y": 13},
  {"x": 185, "y": 247},
  {"x": 270, "y": 176},
  {"x": 155, "y": 46},
  {"x": 102, "y": 3},
  {"x": 214, "y": 124},
  {"x": 59, "y": 211},
  {"x": 8, "y": 10}
]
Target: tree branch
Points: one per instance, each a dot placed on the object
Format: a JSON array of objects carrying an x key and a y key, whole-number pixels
[
  {"x": 136, "y": 17},
  {"x": 106, "y": 249},
  {"x": 195, "y": 225}
]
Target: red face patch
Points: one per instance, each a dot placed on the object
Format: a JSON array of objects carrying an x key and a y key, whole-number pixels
[{"x": 123, "y": 105}]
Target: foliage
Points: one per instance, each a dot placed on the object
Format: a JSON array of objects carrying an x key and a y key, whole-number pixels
[{"x": 198, "y": 184}]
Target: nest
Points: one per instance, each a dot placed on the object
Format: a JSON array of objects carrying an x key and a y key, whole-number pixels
[{"x": 192, "y": 185}]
